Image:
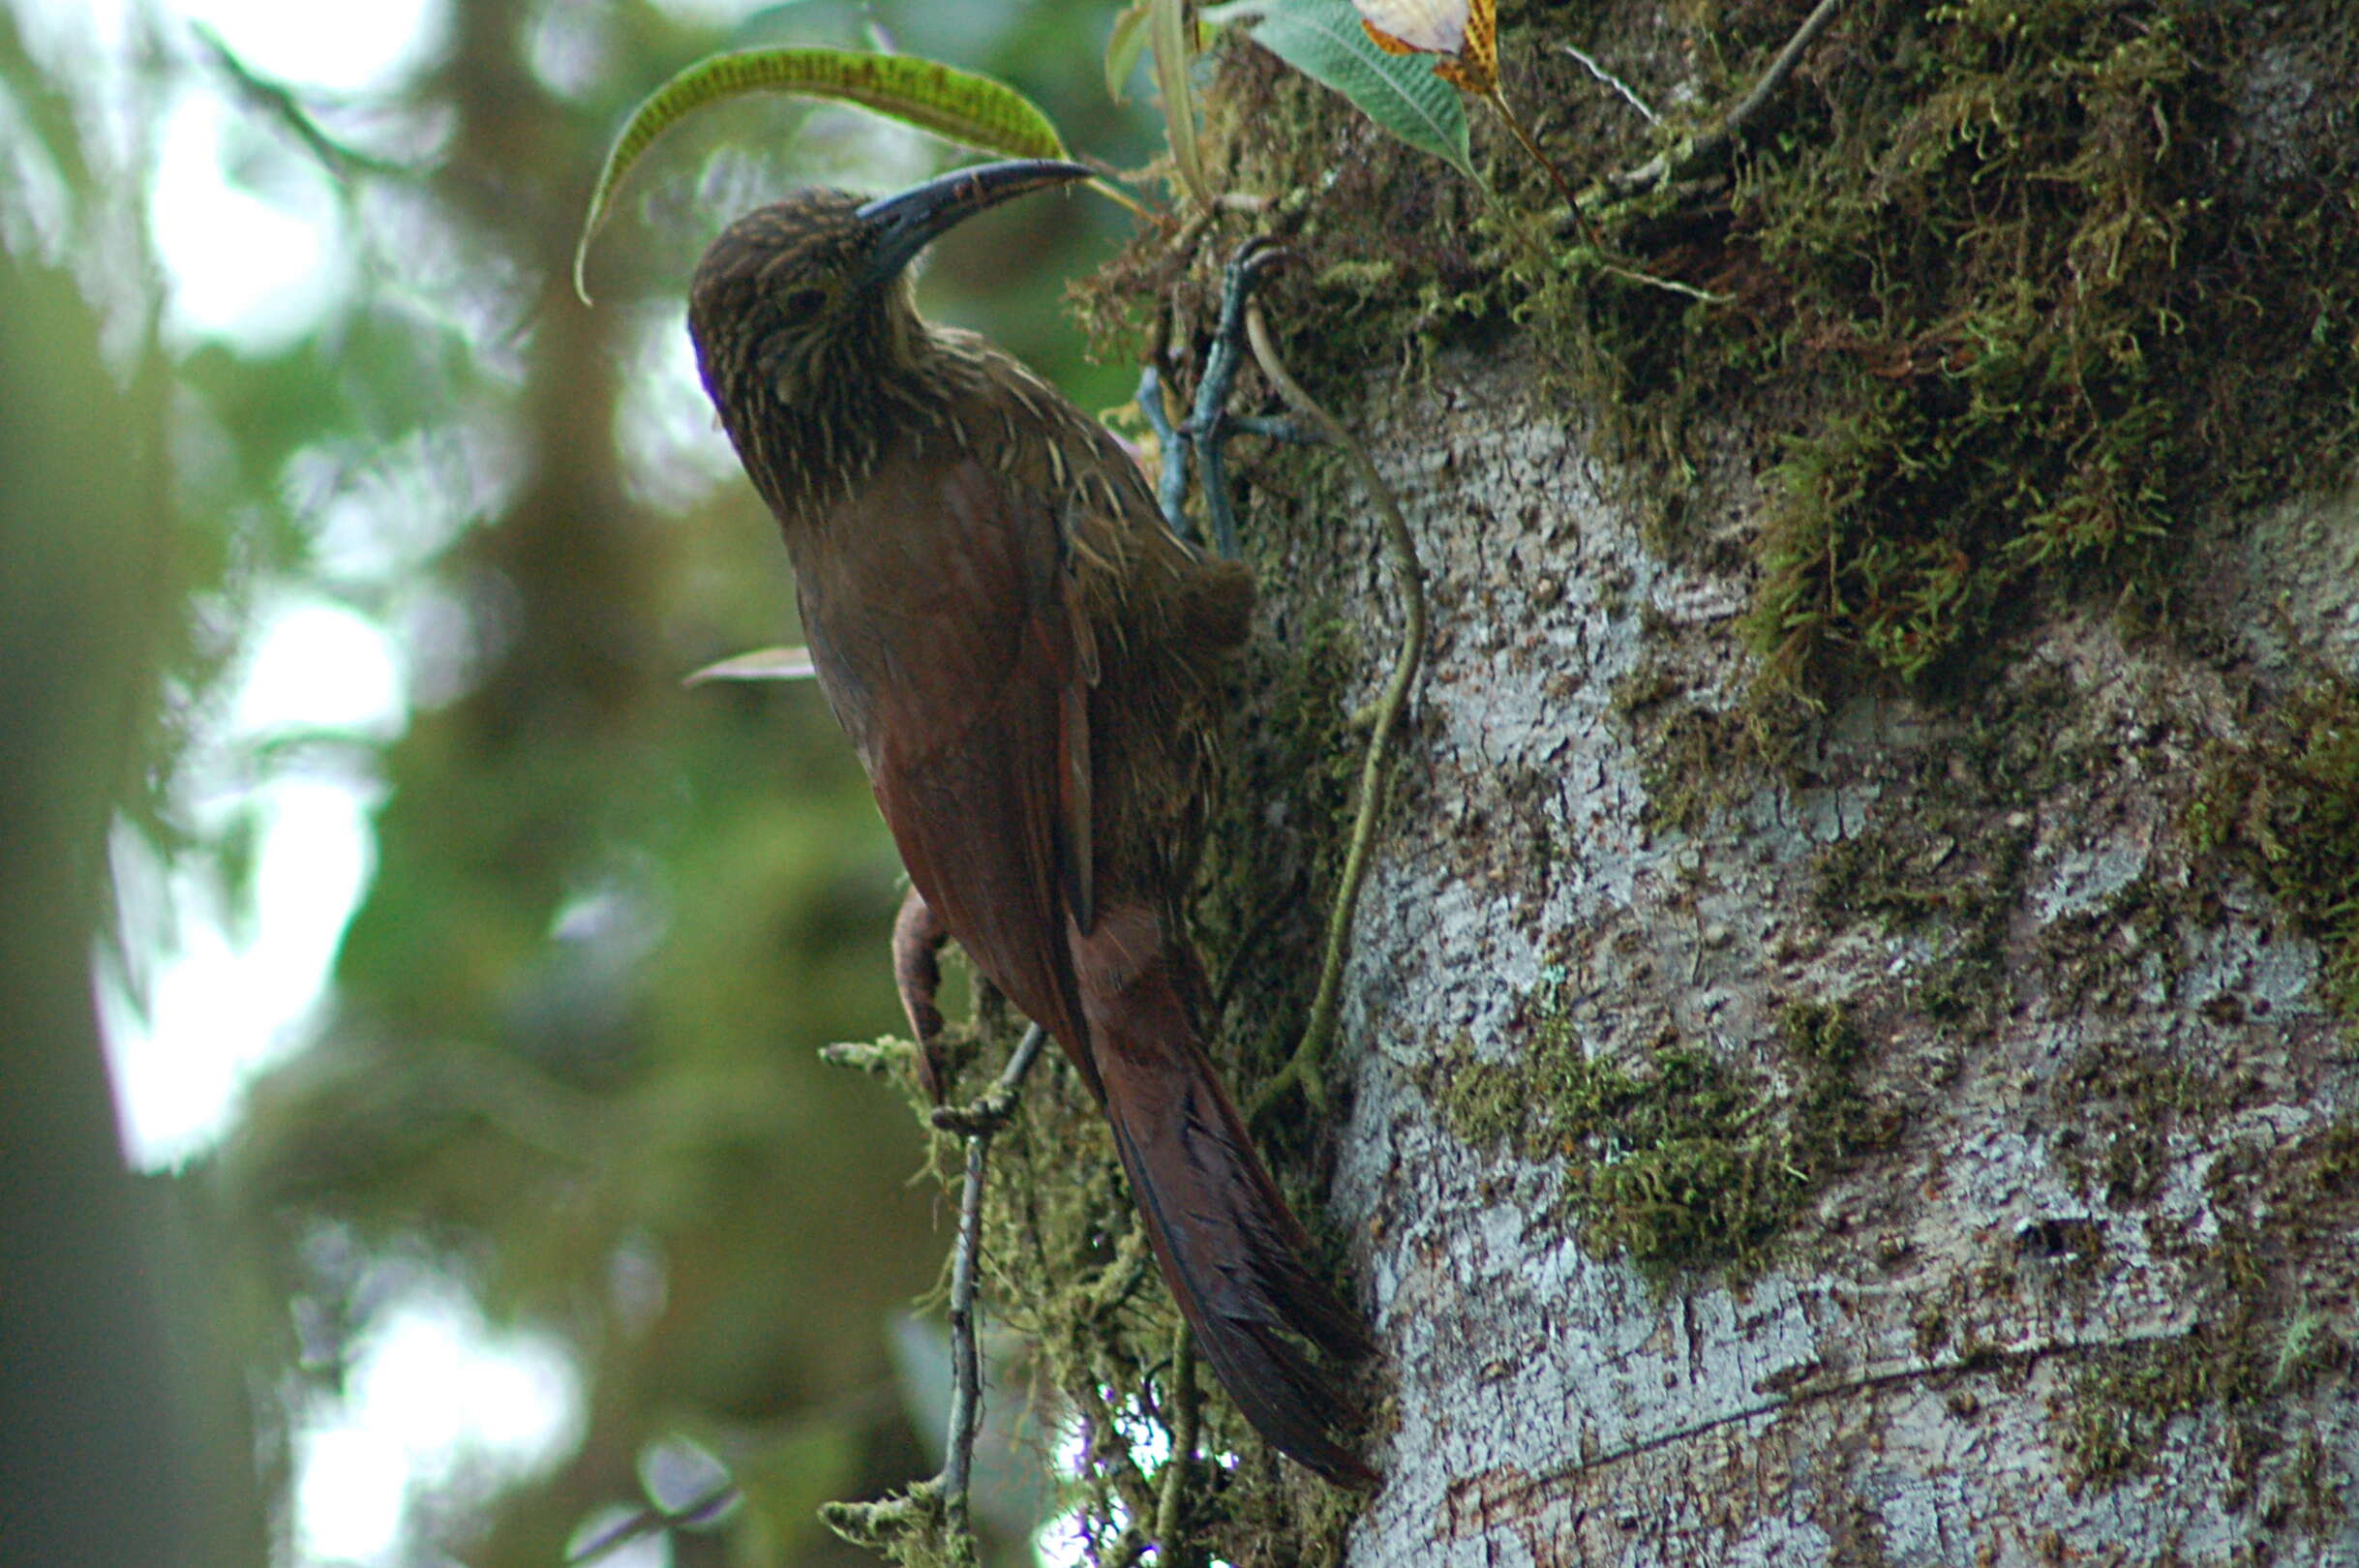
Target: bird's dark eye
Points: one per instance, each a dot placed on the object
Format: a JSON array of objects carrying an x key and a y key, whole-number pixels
[{"x": 804, "y": 301}]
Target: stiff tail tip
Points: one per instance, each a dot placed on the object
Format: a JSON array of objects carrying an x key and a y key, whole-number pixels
[{"x": 1233, "y": 1257}]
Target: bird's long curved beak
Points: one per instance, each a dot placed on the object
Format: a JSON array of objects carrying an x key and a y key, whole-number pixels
[{"x": 908, "y": 222}]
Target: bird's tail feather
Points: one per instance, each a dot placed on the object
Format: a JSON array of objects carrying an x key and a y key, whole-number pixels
[{"x": 1233, "y": 1254}]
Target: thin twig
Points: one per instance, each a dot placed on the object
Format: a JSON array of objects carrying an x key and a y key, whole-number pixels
[
  {"x": 1180, "y": 1420},
  {"x": 936, "y": 1510},
  {"x": 279, "y": 101},
  {"x": 966, "y": 1358},
  {"x": 980, "y": 1121},
  {"x": 646, "y": 1521},
  {"x": 1615, "y": 82},
  {"x": 1780, "y": 67},
  {"x": 1670, "y": 286},
  {"x": 1531, "y": 149},
  {"x": 1678, "y": 161},
  {"x": 1410, "y": 579}
]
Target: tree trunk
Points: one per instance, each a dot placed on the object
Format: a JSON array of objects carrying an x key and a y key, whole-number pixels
[
  {"x": 1846, "y": 1052},
  {"x": 1924, "y": 1157}
]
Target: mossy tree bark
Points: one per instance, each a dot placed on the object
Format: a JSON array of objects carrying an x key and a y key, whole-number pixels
[
  {"x": 1840, "y": 1063},
  {"x": 1924, "y": 1151}
]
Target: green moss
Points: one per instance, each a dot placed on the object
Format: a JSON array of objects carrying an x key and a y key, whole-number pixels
[
  {"x": 2337, "y": 1168},
  {"x": 2110, "y": 958},
  {"x": 1988, "y": 287},
  {"x": 1695, "y": 760},
  {"x": 2018, "y": 289},
  {"x": 1677, "y": 1160},
  {"x": 1307, "y": 726},
  {"x": 2263, "y": 1354},
  {"x": 2122, "y": 1106},
  {"x": 2114, "y": 1420},
  {"x": 1952, "y": 865},
  {"x": 1295, "y": 760},
  {"x": 2017, "y": 299},
  {"x": 2284, "y": 805}
]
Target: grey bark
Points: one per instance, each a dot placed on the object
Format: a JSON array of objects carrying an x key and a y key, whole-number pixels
[{"x": 1903, "y": 1383}]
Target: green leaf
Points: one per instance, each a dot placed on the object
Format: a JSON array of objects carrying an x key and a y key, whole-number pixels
[
  {"x": 1174, "y": 44},
  {"x": 957, "y": 106},
  {"x": 1324, "y": 41},
  {"x": 1122, "y": 46}
]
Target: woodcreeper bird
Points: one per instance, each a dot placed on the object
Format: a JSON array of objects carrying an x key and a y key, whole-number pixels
[{"x": 1026, "y": 659}]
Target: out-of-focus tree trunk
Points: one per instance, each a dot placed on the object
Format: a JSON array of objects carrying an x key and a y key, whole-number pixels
[{"x": 127, "y": 1438}]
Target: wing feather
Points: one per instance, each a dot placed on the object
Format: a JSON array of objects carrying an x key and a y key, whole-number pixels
[{"x": 958, "y": 658}]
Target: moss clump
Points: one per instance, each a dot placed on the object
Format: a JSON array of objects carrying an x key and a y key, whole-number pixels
[
  {"x": 1678, "y": 1161},
  {"x": 1834, "y": 1121},
  {"x": 1694, "y": 759},
  {"x": 2284, "y": 805},
  {"x": 2017, "y": 290},
  {"x": 1294, "y": 765},
  {"x": 2262, "y": 1346},
  {"x": 1954, "y": 863},
  {"x": 2115, "y": 1417},
  {"x": 2120, "y": 1106},
  {"x": 2050, "y": 305}
]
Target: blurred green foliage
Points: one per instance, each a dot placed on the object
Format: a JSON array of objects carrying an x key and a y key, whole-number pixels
[{"x": 568, "y": 1061}]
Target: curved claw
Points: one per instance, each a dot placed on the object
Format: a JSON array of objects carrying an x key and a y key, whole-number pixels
[
  {"x": 1208, "y": 424},
  {"x": 1255, "y": 256},
  {"x": 1210, "y": 416}
]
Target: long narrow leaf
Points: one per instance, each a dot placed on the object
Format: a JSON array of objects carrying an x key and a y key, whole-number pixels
[
  {"x": 1324, "y": 41},
  {"x": 1122, "y": 46},
  {"x": 958, "y": 105},
  {"x": 1171, "y": 36}
]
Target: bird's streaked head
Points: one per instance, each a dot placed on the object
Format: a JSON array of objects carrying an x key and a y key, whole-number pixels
[{"x": 800, "y": 308}]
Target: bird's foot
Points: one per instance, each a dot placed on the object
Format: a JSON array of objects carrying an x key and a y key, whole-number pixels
[
  {"x": 917, "y": 935},
  {"x": 982, "y": 1117},
  {"x": 1210, "y": 426},
  {"x": 976, "y": 1118}
]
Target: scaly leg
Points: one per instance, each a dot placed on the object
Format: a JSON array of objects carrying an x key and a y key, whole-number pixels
[{"x": 1210, "y": 426}]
